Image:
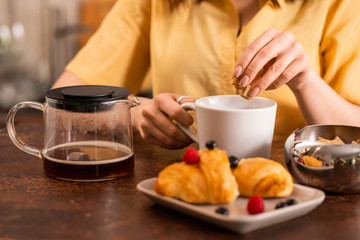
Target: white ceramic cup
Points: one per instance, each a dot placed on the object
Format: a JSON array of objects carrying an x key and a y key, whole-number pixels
[{"x": 244, "y": 128}]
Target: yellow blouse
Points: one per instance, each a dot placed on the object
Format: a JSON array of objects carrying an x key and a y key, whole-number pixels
[{"x": 193, "y": 48}]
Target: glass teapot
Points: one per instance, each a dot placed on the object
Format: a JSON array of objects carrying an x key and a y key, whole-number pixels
[{"x": 88, "y": 134}]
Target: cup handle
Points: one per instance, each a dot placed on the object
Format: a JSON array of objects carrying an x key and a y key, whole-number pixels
[
  {"x": 186, "y": 130},
  {"x": 11, "y": 127}
]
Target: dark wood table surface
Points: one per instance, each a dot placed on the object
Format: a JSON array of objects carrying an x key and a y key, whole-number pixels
[{"x": 35, "y": 206}]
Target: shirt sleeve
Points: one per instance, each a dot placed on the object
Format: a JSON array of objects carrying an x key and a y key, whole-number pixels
[
  {"x": 340, "y": 50},
  {"x": 118, "y": 53}
]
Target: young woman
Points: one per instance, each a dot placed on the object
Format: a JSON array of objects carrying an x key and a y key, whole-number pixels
[{"x": 302, "y": 54}]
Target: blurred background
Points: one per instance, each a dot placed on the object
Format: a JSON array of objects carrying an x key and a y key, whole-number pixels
[{"x": 37, "y": 39}]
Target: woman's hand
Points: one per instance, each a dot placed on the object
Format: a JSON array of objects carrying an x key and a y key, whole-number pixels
[
  {"x": 276, "y": 58},
  {"x": 273, "y": 59},
  {"x": 154, "y": 121}
]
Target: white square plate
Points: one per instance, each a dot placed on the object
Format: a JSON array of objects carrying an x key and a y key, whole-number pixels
[{"x": 238, "y": 219}]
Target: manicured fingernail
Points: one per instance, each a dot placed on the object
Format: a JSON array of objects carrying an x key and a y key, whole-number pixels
[
  {"x": 237, "y": 71},
  {"x": 244, "y": 81},
  {"x": 254, "y": 91}
]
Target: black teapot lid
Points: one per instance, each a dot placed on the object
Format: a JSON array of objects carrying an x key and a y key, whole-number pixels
[{"x": 85, "y": 98}]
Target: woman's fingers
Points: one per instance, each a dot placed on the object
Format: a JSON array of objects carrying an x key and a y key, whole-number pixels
[
  {"x": 156, "y": 136},
  {"x": 157, "y": 126},
  {"x": 253, "y": 49},
  {"x": 290, "y": 75},
  {"x": 278, "y": 72},
  {"x": 275, "y": 63},
  {"x": 275, "y": 49}
]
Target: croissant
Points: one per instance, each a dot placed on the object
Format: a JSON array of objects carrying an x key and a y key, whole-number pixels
[
  {"x": 208, "y": 181},
  {"x": 263, "y": 177}
]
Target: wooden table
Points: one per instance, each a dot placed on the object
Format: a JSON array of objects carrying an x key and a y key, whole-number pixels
[{"x": 35, "y": 206}]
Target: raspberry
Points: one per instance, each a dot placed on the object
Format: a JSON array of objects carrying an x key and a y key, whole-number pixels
[
  {"x": 255, "y": 205},
  {"x": 191, "y": 156}
]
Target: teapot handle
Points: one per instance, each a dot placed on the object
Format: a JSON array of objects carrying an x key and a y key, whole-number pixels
[{"x": 10, "y": 125}]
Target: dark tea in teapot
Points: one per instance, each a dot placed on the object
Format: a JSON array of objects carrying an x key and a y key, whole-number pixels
[{"x": 88, "y": 161}]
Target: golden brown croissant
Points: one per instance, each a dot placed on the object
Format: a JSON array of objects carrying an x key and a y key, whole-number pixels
[
  {"x": 263, "y": 177},
  {"x": 208, "y": 181}
]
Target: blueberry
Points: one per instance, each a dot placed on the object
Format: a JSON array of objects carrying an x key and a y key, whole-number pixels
[
  {"x": 222, "y": 210},
  {"x": 234, "y": 161},
  {"x": 211, "y": 144},
  {"x": 280, "y": 205},
  {"x": 290, "y": 202}
]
